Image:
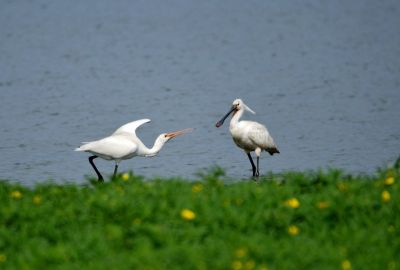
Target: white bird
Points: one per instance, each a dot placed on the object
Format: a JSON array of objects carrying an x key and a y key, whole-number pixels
[
  {"x": 249, "y": 135},
  {"x": 124, "y": 144}
]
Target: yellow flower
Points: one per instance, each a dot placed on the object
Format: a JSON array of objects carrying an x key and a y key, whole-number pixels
[
  {"x": 293, "y": 203},
  {"x": 342, "y": 186},
  {"x": 237, "y": 265},
  {"x": 239, "y": 201},
  {"x": 389, "y": 181},
  {"x": 197, "y": 188},
  {"x": 323, "y": 204},
  {"x": 188, "y": 214},
  {"x": 249, "y": 265},
  {"x": 240, "y": 252},
  {"x": 136, "y": 221},
  {"x": 385, "y": 196},
  {"x": 125, "y": 176},
  {"x": 16, "y": 194},
  {"x": 346, "y": 265},
  {"x": 293, "y": 230},
  {"x": 37, "y": 199},
  {"x": 391, "y": 265},
  {"x": 3, "y": 258}
]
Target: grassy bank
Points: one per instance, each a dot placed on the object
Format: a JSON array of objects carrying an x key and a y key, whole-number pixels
[{"x": 312, "y": 220}]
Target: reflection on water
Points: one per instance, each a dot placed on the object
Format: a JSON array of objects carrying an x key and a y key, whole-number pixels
[{"x": 323, "y": 77}]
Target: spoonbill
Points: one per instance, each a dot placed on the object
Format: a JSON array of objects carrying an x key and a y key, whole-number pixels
[
  {"x": 249, "y": 135},
  {"x": 124, "y": 144}
]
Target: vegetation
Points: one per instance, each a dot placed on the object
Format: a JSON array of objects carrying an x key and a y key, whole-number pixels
[{"x": 293, "y": 220}]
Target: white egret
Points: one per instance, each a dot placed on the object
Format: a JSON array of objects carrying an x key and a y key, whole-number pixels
[
  {"x": 249, "y": 135},
  {"x": 124, "y": 144}
]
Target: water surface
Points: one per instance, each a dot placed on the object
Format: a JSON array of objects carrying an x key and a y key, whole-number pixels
[{"x": 323, "y": 77}]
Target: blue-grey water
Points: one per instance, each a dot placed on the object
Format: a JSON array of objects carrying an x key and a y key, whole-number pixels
[{"x": 324, "y": 76}]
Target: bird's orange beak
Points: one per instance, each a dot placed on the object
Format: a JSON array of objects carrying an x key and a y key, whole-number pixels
[{"x": 178, "y": 133}]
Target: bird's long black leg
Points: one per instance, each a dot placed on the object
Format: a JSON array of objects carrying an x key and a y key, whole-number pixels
[
  {"x": 258, "y": 166},
  {"x": 252, "y": 164},
  {"x": 100, "y": 178},
  {"x": 115, "y": 169}
]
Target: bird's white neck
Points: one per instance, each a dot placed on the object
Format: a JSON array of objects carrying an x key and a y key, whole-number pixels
[
  {"x": 235, "y": 118},
  {"x": 149, "y": 152}
]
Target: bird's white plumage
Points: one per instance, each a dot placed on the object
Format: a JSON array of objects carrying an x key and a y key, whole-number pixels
[
  {"x": 122, "y": 144},
  {"x": 131, "y": 127},
  {"x": 115, "y": 147},
  {"x": 250, "y": 135},
  {"x": 260, "y": 136}
]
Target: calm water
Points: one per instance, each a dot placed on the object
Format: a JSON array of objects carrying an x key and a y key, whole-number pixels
[{"x": 323, "y": 77}]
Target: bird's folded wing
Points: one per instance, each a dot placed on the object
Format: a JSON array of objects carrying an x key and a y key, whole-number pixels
[{"x": 259, "y": 135}]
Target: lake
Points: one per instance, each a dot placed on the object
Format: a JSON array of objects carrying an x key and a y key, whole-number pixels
[{"x": 324, "y": 77}]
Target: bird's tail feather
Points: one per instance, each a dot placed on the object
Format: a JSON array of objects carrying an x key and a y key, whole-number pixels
[
  {"x": 272, "y": 151},
  {"x": 83, "y": 147}
]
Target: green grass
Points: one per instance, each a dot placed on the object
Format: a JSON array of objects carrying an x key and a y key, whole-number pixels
[{"x": 341, "y": 222}]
